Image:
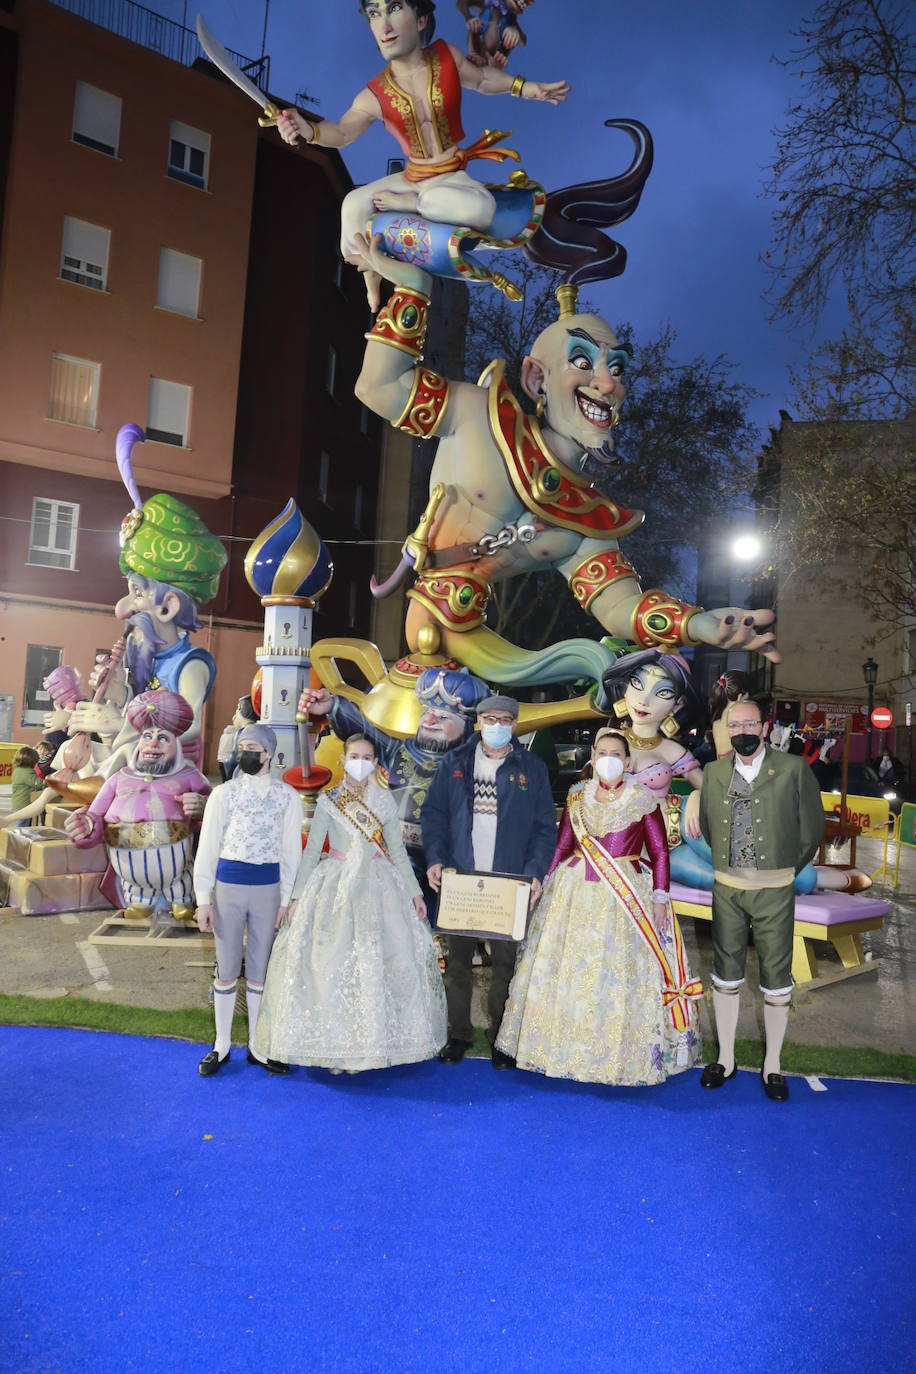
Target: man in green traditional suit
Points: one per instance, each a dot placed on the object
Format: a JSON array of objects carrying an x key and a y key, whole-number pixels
[{"x": 761, "y": 813}]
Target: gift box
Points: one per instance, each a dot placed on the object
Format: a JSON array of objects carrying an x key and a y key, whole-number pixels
[
  {"x": 32, "y": 895},
  {"x": 7, "y": 868}
]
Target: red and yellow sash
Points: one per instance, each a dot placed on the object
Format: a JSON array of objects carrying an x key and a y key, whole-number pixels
[
  {"x": 677, "y": 985},
  {"x": 361, "y": 818}
]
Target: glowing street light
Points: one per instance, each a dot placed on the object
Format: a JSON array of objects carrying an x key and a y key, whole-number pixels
[{"x": 746, "y": 548}]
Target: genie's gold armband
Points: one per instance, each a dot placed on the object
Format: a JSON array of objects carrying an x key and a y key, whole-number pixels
[{"x": 660, "y": 622}]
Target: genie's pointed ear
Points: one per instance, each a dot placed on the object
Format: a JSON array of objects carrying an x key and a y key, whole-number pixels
[{"x": 533, "y": 377}]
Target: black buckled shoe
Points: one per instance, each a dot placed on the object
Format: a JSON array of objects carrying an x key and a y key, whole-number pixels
[
  {"x": 454, "y": 1050},
  {"x": 271, "y": 1065},
  {"x": 714, "y": 1075},
  {"x": 211, "y": 1063},
  {"x": 499, "y": 1060},
  {"x": 775, "y": 1087}
]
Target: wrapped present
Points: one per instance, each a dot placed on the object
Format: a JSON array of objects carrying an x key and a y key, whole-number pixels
[
  {"x": 32, "y": 895},
  {"x": 7, "y": 868},
  {"x": 92, "y": 898},
  {"x": 56, "y": 814},
  {"x": 46, "y": 851}
]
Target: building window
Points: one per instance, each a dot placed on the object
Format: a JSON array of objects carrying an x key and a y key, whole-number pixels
[
  {"x": 84, "y": 253},
  {"x": 40, "y": 661},
  {"x": 189, "y": 154},
  {"x": 179, "y": 282},
  {"x": 330, "y": 370},
  {"x": 96, "y": 119},
  {"x": 52, "y": 539},
  {"x": 169, "y": 407},
  {"x": 358, "y": 500},
  {"x": 324, "y": 478},
  {"x": 74, "y": 395}
]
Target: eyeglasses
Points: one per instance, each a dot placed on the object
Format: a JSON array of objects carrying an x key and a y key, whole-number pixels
[
  {"x": 496, "y": 720},
  {"x": 736, "y": 727}
]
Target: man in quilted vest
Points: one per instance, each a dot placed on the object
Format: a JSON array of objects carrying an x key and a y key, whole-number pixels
[{"x": 249, "y": 850}]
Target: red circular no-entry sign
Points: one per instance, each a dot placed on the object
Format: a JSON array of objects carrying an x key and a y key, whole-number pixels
[{"x": 882, "y": 717}]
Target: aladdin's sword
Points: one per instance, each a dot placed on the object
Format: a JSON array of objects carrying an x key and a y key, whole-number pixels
[{"x": 221, "y": 59}]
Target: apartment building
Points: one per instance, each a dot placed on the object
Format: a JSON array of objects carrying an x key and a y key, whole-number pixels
[{"x": 144, "y": 277}]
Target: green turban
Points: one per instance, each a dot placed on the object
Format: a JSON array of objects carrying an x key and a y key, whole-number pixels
[{"x": 168, "y": 541}]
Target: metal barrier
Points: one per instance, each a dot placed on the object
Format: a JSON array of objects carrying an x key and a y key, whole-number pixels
[
  {"x": 873, "y": 817},
  {"x": 165, "y": 36}
]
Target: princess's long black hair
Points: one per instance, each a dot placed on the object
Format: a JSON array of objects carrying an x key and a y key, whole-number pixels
[{"x": 617, "y": 677}]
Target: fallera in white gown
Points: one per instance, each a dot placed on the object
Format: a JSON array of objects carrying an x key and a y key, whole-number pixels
[{"x": 354, "y": 980}]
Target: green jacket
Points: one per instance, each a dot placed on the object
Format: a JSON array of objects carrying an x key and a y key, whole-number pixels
[{"x": 788, "y": 815}]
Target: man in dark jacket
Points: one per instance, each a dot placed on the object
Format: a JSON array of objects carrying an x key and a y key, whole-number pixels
[
  {"x": 489, "y": 808},
  {"x": 761, "y": 813}
]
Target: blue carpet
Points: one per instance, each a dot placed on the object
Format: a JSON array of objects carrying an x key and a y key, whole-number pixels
[{"x": 442, "y": 1219}]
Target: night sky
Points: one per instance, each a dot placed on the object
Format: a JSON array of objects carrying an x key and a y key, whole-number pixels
[{"x": 701, "y": 76}]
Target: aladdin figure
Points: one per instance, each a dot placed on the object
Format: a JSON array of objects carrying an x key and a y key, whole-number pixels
[
  {"x": 417, "y": 96},
  {"x": 144, "y": 812},
  {"x": 172, "y": 564},
  {"x": 407, "y": 767},
  {"x": 512, "y": 492}
]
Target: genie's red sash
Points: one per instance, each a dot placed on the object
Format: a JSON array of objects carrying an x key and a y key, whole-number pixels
[{"x": 677, "y": 985}]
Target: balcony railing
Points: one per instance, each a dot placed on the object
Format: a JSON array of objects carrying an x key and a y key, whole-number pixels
[{"x": 154, "y": 31}]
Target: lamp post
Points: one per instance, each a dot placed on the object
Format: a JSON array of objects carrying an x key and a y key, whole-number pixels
[{"x": 870, "y": 672}]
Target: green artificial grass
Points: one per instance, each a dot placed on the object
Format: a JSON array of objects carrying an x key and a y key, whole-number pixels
[{"x": 196, "y": 1023}]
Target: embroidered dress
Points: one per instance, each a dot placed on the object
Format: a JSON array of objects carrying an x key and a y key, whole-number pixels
[
  {"x": 354, "y": 980},
  {"x": 595, "y": 997}
]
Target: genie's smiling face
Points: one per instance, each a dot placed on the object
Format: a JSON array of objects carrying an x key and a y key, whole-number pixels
[{"x": 582, "y": 365}]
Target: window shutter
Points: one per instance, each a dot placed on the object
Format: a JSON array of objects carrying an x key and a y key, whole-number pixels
[
  {"x": 179, "y": 282},
  {"x": 96, "y": 118}
]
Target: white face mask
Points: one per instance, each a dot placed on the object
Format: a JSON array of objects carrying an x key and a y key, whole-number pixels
[
  {"x": 609, "y": 767},
  {"x": 359, "y": 769}
]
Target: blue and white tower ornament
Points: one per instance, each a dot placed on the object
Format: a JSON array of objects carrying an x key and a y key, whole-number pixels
[
  {"x": 289, "y": 568},
  {"x": 288, "y": 563}
]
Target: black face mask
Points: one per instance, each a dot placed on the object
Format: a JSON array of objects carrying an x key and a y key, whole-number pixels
[
  {"x": 745, "y": 745},
  {"x": 249, "y": 762}
]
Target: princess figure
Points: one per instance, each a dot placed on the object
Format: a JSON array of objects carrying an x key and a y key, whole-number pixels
[
  {"x": 354, "y": 981},
  {"x": 654, "y": 699},
  {"x": 602, "y": 992}
]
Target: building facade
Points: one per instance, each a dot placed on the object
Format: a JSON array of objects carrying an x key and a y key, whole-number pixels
[
  {"x": 147, "y": 274},
  {"x": 826, "y": 590}
]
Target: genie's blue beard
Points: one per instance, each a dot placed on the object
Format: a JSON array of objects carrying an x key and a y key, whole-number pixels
[{"x": 143, "y": 643}]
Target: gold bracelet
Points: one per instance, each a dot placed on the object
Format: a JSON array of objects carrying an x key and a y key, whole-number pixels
[{"x": 518, "y": 85}]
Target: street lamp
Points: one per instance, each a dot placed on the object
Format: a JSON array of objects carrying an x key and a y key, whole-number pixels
[{"x": 870, "y": 673}]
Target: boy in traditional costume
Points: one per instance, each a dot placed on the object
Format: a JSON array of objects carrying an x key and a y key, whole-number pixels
[{"x": 250, "y": 843}]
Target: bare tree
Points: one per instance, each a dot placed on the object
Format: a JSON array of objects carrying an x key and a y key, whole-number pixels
[{"x": 844, "y": 185}]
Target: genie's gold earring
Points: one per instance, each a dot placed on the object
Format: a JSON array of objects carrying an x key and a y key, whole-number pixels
[
  {"x": 539, "y": 407},
  {"x": 670, "y": 727},
  {"x": 621, "y": 708}
]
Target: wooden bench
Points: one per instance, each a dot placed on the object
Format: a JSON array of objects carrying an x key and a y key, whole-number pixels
[{"x": 838, "y": 918}]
